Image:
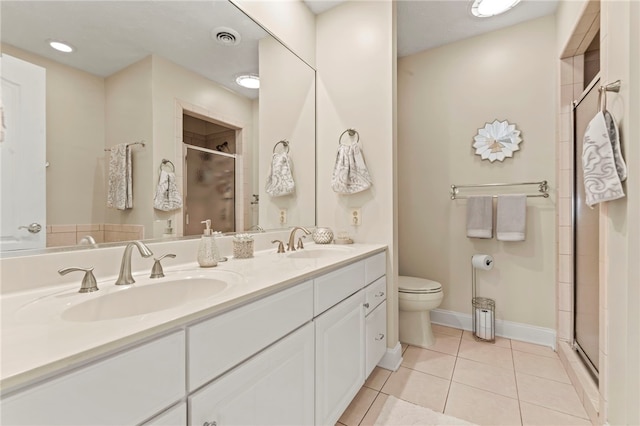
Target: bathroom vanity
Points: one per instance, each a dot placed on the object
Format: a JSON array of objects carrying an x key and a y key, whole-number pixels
[{"x": 289, "y": 340}]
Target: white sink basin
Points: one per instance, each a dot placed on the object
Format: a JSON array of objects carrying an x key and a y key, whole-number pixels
[
  {"x": 136, "y": 300},
  {"x": 178, "y": 288},
  {"x": 319, "y": 252}
]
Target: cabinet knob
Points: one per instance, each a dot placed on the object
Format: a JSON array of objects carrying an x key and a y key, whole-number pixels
[
  {"x": 210, "y": 424},
  {"x": 379, "y": 294},
  {"x": 380, "y": 336},
  {"x": 366, "y": 305}
]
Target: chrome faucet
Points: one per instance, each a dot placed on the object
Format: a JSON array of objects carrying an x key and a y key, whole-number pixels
[
  {"x": 125, "y": 267},
  {"x": 292, "y": 237}
]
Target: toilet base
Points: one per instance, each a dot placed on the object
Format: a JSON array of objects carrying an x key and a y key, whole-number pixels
[{"x": 415, "y": 328}]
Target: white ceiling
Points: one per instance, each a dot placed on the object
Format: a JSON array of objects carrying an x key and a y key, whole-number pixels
[{"x": 425, "y": 24}]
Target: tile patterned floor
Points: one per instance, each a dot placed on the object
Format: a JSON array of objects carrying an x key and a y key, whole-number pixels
[{"x": 506, "y": 383}]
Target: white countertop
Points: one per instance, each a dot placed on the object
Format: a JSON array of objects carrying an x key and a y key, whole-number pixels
[{"x": 37, "y": 342}]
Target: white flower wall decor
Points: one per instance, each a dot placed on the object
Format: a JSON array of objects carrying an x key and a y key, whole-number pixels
[{"x": 497, "y": 140}]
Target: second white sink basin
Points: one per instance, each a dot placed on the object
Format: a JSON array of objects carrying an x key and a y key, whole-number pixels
[
  {"x": 136, "y": 300},
  {"x": 319, "y": 252}
]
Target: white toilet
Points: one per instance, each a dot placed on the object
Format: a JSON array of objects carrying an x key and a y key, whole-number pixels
[{"x": 417, "y": 297}]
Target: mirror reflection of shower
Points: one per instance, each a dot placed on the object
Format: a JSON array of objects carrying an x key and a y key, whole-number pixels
[{"x": 209, "y": 175}]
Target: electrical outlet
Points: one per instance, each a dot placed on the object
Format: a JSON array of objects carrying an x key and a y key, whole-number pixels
[
  {"x": 283, "y": 216},
  {"x": 355, "y": 217}
]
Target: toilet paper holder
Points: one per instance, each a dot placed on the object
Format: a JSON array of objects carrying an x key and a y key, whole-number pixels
[{"x": 483, "y": 309}]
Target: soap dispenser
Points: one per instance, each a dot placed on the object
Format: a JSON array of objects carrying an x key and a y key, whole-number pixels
[{"x": 207, "y": 249}]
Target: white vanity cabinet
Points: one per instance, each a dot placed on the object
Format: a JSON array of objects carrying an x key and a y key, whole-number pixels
[{"x": 124, "y": 389}]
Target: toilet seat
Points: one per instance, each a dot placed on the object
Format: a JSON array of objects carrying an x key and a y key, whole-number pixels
[{"x": 414, "y": 285}]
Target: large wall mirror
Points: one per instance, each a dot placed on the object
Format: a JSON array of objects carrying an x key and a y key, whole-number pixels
[{"x": 160, "y": 76}]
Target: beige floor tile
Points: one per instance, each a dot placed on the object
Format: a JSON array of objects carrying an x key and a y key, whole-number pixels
[
  {"x": 533, "y": 349},
  {"x": 417, "y": 387},
  {"x": 549, "y": 394},
  {"x": 431, "y": 362},
  {"x": 486, "y": 353},
  {"x": 340, "y": 424},
  {"x": 481, "y": 407},
  {"x": 500, "y": 341},
  {"x": 377, "y": 378},
  {"x": 376, "y": 408},
  {"x": 443, "y": 329},
  {"x": 536, "y": 415},
  {"x": 540, "y": 366},
  {"x": 487, "y": 377},
  {"x": 404, "y": 347},
  {"x": 445, "y": 343},
  {"x": 355, "y": 412}
]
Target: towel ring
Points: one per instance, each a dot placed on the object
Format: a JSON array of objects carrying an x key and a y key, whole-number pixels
[
  {"x": 166, "y": 162},
  {"x": 351, "y": 133},
  {"x": 284, "y": 142}
]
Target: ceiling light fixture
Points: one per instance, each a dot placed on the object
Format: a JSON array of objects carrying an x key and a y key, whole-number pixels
[
  {"x": 250, "y": 81},
  {"x": 487, "y": 8},
  {"x": 61, "y": 46}
]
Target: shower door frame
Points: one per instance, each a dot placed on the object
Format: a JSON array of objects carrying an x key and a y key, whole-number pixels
[{"x": 575, "y": 344}]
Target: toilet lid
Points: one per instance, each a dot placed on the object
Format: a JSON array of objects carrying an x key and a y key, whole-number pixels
[{"x": 416, "y": 285}]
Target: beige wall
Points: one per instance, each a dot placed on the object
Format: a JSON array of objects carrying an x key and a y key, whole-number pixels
[
  {"x": 75, "y": 133},
  {"x": 129, "y": 119},
  {"x": 444, "y": 96},
  {"x": 290, "y": 115},
  {"x": 355, "y": 88},
  {"x": 290, "y": 21}
]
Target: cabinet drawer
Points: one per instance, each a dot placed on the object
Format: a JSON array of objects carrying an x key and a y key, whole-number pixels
[
  {"x": 176, "y": 416},
  {"x": 127, "y": 388},
  {"x": 335, "y": 286},
  {"x": 376, "y": 343},
  {"x": 375, "y": 267},
  {"x": 220, "y": 343},
  {"x": 376, "y": 293}
]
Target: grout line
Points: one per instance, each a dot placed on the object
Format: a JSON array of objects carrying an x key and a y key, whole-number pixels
[
  {"x": 515, "y": 379},
  {"x": 455, "y": 362}
]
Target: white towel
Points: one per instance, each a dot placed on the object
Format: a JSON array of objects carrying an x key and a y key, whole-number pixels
[
  {"x": 350, "y": 173},
  {"x": 280, "y": 180},
  {"x": 602, "y": 162},
  {"x": 120, "y": 192},
  {"x": 480, "y": 217},
  {"x": 167, "y": 197},
  {"x": 511, "y": 217}
]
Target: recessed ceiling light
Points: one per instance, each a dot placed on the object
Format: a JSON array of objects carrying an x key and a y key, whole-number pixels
[
  {"x": 487, "y": 8},
  {"x": 250, "y": 81},
  {"x": 61, "y": 46}
]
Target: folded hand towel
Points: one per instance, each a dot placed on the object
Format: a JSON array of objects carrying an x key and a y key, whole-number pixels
[
  {"x": 280, "y": 180},
  {"x": 602, "y": 162},
  {"x": 350, "y": 173},
  {"x": 167, "y": 197},
  {"x": 511, "y": 217},
  {"x": 480, "y": 217},
  {"x": 120, "y": 192}
]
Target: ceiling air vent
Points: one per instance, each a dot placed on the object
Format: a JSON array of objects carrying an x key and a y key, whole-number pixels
[{"x": 226, "y": 36}]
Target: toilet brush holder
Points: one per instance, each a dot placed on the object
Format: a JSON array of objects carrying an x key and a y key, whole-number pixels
[{"x": 484, "y": 322}]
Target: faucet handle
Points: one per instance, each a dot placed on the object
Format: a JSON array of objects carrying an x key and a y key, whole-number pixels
[
  {"x": 89, "y": 283},
  {"x": 156, "y": 270},
  {"x": 300, "y": 245},
  {"x": 280, "y": 245}
]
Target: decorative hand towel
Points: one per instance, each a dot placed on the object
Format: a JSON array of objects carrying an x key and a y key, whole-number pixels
[
  {"x": 350, "y": 174},
  {"x": 480, "y": 217},
  {"x": 511, "y": 217},
  {"x": 604, "y": 167},
  {"x": 280, "y": 180},
  {"x": 167, "y": 197},
  {"x": 120, "y": 192}
]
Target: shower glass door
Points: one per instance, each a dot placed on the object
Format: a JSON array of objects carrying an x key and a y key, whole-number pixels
[{"x": 586, "y": 242}]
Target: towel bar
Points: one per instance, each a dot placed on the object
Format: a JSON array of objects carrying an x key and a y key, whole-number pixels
[
  {"x": 132, "y": 143},
  {"x": 543, "y": 188}
]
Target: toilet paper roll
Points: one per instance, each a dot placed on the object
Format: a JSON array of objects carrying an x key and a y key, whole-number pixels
[
  {"x": 482, "y": 261},
  {"x": 484, "y": 324}
]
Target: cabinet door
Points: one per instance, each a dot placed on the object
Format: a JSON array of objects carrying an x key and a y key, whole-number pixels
[
  {"x": 339, "y": 358},
  {"x": 273, "y": 388},
  {"x": 376, "y": 337}
]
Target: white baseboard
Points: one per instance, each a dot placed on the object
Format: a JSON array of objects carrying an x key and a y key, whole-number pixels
[
  {"x": 509, "y": 329},
  {"x": 392, "y": 358}
]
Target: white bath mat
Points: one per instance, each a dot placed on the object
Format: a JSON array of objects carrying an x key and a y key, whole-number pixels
[{"x": 396, "y": 412}]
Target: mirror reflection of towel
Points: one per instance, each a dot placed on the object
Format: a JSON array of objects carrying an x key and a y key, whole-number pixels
[
  {"x": 120, "y": 191},
  {"x": 350, "y": 173},
  {"x": 280, "y": 180},
  {"x": 167, "y": 197},
  {"x": 602, "y": 162}
]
